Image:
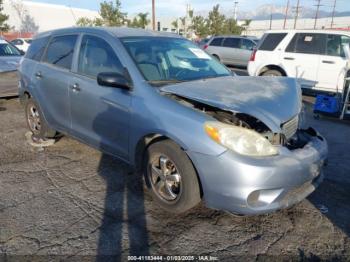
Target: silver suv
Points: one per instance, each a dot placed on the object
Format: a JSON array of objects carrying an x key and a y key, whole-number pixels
[{"x": 232, "y": 50}]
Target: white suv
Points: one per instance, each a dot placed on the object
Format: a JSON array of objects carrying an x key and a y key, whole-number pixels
[{"x": 320, "y": 59}]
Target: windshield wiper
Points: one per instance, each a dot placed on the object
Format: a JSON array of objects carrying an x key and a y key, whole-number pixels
[{"x": 165, "y": 82}]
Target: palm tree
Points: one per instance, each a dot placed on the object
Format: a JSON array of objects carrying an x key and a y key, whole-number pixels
[
  {"x": 175, "y": 24},
  {"x": 143, "y": 21}
]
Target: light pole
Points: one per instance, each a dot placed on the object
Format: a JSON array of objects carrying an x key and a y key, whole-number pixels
[
  {"x": 317, "y": 11},
  {"x": 153, "y": 15},
  {"x": 297, "y": 10},
  {"x": 235, "y": 11}
]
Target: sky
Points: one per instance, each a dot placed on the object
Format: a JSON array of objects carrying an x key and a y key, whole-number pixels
[{"x": 178, "y": 7}]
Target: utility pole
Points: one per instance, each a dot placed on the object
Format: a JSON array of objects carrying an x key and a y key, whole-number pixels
[
  {"x": 333, "y": 13},
  {"x": 297, "y": 10},
  {"x": 317, "y": 11},
  {"x": 235, "y": 11},
  {"x": 153, "y": 15},
  {"x": 271, "y": 18},
  {"x": 286, "y": 16}
]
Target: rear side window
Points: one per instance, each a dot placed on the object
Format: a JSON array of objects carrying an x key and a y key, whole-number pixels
[
  {"x": 216, "y": 42},
  {"x": 37, "y": 48},
  {"x": 97, "y": 56},
  {"x": 336, "y": 45},
  {"x": 271, "y": 41},
  {"x": 308, "y": 44},
  {"x": 248, "y": 44},
  {"x": 232, "y": 42},
  {"x": 60, "y": 51}
]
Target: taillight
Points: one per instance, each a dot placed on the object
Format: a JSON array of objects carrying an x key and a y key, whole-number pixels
[
  {"x": 252, "y": 57},
  {"x": 205, "y": 47}
]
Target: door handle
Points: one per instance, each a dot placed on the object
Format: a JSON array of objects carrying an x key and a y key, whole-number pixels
[
  {"x": 328, "y": 62},
  {"x": 289, "y": 58},
  {"x": 75, "y": 88},
  {"x": 38, "y": 75}
]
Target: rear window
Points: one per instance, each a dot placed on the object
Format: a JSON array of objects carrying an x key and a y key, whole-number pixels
[
  {"x": 60, "y": 51},
  {"x": 305, "y": 43},
  {"x": 271, "y": 41},
  {"x": 37, "y": 48},
  {"x": 216, "y": 42},
  {"x": 232, "y": 42}
]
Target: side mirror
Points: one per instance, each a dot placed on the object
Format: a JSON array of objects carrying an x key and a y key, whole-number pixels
[{"x": 114, "y": 80}]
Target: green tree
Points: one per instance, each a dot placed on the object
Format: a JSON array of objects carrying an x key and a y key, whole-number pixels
[
  {"x": 143, "y": 20},
  {"x": 231, "y": 27},
  {"x": 216, "y": 21},
  {"x": 4, "y": 27},
  {"x": 175, "y": 24},
  {"x": 110, "y": 15},
  {"x": 200, "y": 26}
]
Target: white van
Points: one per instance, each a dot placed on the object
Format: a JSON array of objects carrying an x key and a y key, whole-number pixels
[{"x": 320, "y": 59}]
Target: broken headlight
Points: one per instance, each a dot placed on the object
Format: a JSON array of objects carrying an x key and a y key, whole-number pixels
[{"x": 241, "y": 140}]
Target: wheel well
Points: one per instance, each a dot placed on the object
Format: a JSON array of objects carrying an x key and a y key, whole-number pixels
[
  {"x": 148, "y": 140},
  {"x": 272, "y": 67}
]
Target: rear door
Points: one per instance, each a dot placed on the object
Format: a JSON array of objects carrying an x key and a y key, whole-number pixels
[
  {"x": 51, "y": 80},
  {"x": 302, "y": 57},
  {"x": 230, "y": 51},
  {"x": 333, "y": 64},
  {"x": 100, "y": 115}
]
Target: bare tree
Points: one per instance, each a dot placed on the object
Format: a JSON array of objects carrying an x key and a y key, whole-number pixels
[{"x": 27, "y": 23}]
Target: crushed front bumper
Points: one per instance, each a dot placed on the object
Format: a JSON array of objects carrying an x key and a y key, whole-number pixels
[{"x": 246, "y": 185}]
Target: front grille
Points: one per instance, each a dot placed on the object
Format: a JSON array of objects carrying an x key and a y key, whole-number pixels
[{"x": 290, "y": 128}]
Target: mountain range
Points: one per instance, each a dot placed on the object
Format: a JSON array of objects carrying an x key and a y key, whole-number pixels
[{"x": 278, "y": 12}]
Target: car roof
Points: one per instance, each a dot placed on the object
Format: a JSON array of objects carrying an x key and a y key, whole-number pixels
[
  {"x": 115, "y": 31},
  {"x": 343, "y": 32}
]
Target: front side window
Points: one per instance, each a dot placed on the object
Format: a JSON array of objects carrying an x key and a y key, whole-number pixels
[
  {"x": 305, "y": 43},
  {"x": 336, "y": 45},
  {"x": 232, "y": 42},
  {"x": 60, "y": 51},
  {"x": 97, "y": 56},
  {"x": 7, "y": 49},
  {"x": 165, "y": 59}
]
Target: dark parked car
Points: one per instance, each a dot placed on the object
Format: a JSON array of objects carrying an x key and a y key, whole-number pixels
[{"x": 162, "y": 104}]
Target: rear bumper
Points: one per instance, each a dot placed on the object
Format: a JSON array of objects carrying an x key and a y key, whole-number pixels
[{"x": 251, "y": 186}]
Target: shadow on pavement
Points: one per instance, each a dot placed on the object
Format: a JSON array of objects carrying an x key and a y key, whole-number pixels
[{"x": 124, "y": 221}]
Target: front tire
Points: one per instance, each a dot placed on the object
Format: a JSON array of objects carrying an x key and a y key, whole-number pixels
[
  {"x": 36, "y": 122},
  {"x": 171, "y": 177}
]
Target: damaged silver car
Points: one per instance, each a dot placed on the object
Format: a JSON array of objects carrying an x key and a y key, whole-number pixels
[{"x": 195, "y": 130}]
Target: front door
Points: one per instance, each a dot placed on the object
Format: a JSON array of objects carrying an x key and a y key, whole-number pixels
[
  {"x": 100, "y": 115},
  {"x": 334, "y": 64}
]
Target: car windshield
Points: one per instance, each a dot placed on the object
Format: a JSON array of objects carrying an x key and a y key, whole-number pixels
[
  {"x": 165, "y": 60},
  {"x": 7, "y": 49}
]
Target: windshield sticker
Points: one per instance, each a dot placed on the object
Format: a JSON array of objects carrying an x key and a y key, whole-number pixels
[
  {"x": 308, "y": 38},
  {"x": 199, "y": 53}
]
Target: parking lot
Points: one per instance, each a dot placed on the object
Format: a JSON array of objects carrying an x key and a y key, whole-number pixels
[{"x": 71, "y": 201}]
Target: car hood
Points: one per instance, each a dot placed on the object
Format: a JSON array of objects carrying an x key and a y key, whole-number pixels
[
  {"x": 272, "y": 100},
  {"x": 9, "y": 63}
]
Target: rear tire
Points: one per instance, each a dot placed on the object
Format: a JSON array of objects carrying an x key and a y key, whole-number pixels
[
  {"x": 36, "y": 122},
  {"x": 272, "y": 73},
  {"x": 171, "y": 177}
]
